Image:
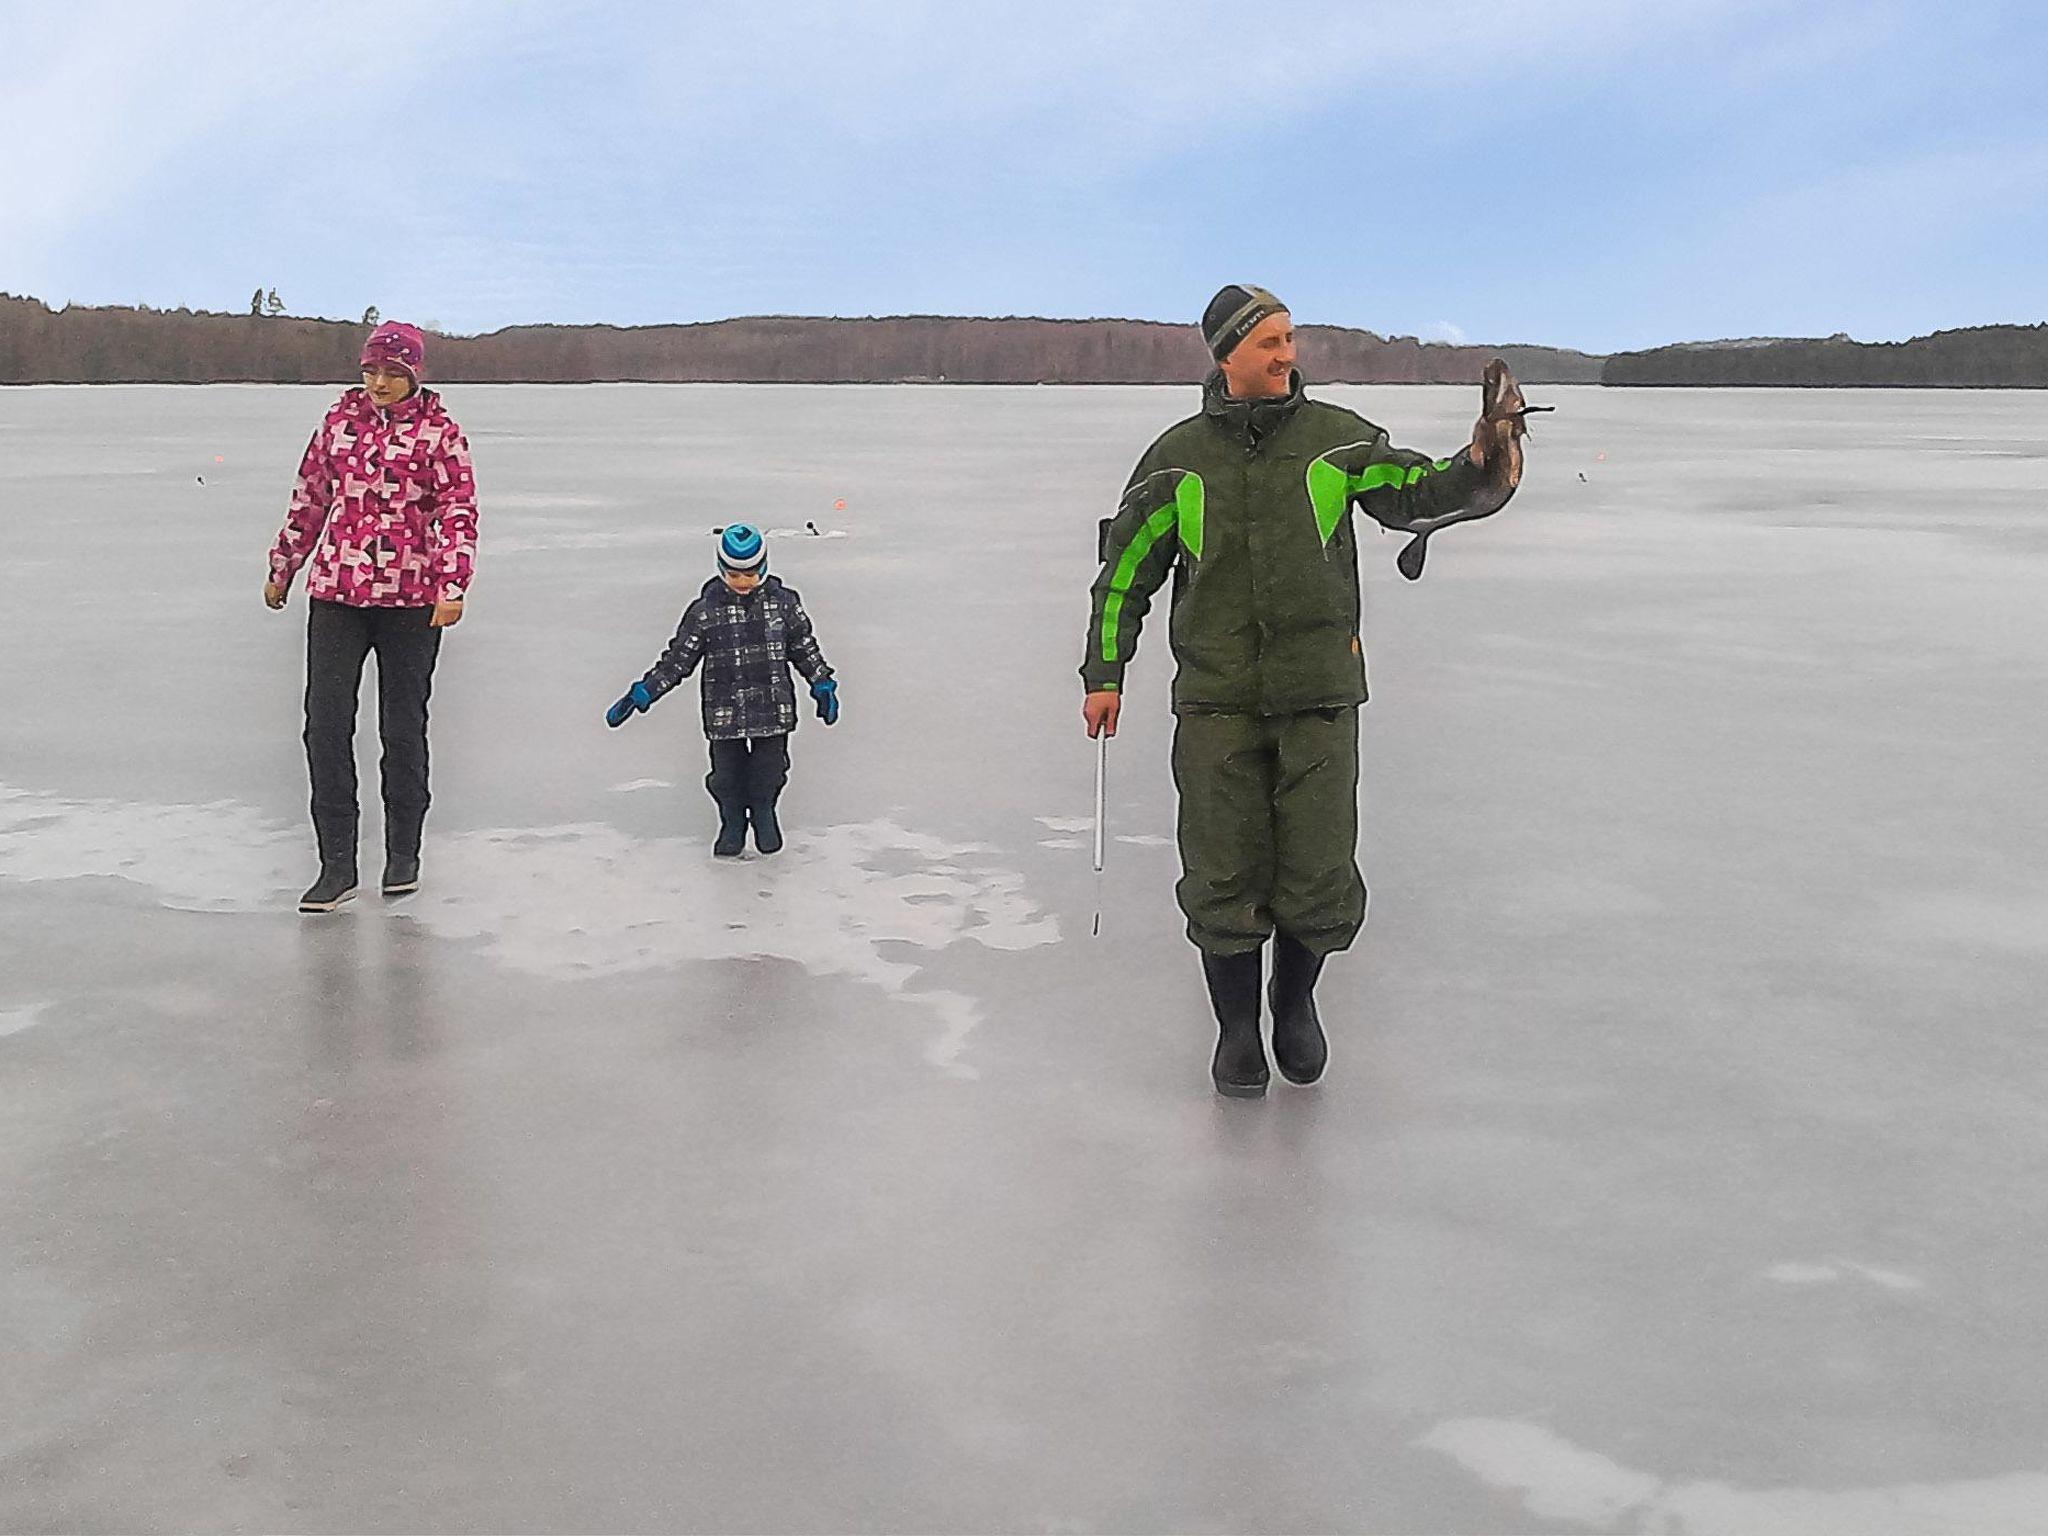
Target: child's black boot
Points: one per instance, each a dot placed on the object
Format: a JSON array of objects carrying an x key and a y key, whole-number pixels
[
  {"x": 732, "y": 830},
  {"x": 767, "y": 830}
]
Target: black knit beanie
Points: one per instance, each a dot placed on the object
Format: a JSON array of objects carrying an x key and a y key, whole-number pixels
[{"x": 1233, "y": 315}]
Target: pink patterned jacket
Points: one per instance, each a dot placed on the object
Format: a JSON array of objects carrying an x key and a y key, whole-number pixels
[{"x": 396, "y": 498}]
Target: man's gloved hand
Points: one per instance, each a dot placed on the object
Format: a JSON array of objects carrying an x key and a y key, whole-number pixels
[
  {"x": 635, "y": 701},
  {"x": 826, "y": 691}
]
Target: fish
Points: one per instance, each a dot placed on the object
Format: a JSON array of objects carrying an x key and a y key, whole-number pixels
[{"x": 1502, "y": 406}]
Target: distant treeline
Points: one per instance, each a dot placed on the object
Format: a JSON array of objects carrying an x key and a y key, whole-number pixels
[
  {"x": 1982, "y": 357},
  {"x": 116, "y": 345},
  {"x": 109, "y": 345}
]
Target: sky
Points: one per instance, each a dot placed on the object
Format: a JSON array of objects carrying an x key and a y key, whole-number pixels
[{"x": 1600, "y": 174}]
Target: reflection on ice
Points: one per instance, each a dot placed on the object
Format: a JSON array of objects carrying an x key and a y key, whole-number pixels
[
  {"x": 583, "y": 900},
  {"x": 1561, "y": 1481}
]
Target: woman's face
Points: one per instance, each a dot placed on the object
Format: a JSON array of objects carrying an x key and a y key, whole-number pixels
[{"x": 387, "y": 385}]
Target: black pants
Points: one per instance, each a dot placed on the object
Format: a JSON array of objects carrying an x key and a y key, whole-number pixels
[
  {"x": 748, "y": 773},
  {"x": 338, "y": 637}
]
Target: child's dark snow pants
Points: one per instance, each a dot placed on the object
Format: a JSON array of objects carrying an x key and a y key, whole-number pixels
[{"x": 748, "y": 773}]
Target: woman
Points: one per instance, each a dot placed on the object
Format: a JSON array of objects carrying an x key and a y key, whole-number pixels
[{"x": 386, "y": 508}]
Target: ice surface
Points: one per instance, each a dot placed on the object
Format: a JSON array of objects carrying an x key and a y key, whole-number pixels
[{"x": 1679, "y": 1164}]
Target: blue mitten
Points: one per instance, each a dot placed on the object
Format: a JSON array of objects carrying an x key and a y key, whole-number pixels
[
  {"x": 632, "y": 702},
  {"x": 826, "y": 691}
]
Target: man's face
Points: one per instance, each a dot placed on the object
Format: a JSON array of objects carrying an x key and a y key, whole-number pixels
[
  {"x": 386, "y": 384},
  {"x": 1260, "y": 366}
]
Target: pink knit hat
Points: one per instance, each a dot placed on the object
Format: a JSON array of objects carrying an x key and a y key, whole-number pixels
[{"x": 397, "y": 345}]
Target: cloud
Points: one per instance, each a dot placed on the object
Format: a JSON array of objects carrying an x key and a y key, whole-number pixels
[
  {"x": 1094, "y": 87},
  {"x": 99, "y": 106}
]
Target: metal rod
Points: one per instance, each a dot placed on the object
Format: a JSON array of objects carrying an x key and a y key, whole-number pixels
[
  {"x": 1101, "y": 777},
  {"x": 1101, "y": 773}
]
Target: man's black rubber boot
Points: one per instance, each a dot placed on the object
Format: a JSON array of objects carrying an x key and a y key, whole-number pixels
[
  {"x": 767, "y": 830},
  {"x": 1239, "y": 1067},
  {"x": 401, "y": 874},
  {"x": 337, "y": 883},
  {"x": 732, "y": 831},
  {"x": 1299, "y": 1049}
]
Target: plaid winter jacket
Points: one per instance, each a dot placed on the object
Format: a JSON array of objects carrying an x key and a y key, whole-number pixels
[{"x": 747, "y": 644}]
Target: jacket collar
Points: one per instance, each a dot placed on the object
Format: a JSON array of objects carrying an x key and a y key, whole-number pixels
[
  {"x": 411, "y": 408},
  {"x": 715, "y": 590},
  {"x": 1250, "y": 421}
]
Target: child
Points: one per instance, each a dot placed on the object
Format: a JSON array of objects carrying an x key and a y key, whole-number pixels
[
  {"x": 748, "y": 630},
  {"x": 384, "y": 522}
]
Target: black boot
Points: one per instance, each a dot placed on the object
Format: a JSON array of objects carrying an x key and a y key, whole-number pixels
[
  {"x": 401, "y": 854},
  {"x": 337, "y": 883},
  {"x": 336, "y": 838},
  {"x": 732, "y": 830},
  {"x": 1239, "y": 1067},
  {"x": 767, "y": 830},
  {"x": 1299, "y": 1049},
  {"x": 401, "y": 873}
]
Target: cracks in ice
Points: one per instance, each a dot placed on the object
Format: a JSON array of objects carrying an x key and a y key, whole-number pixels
[
  {"x": 1564, "y": 1482},
  {"x": 586, "y": 899}
]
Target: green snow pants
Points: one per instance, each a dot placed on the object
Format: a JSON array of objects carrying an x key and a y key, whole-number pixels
[{"x": 1269, "y": 828}]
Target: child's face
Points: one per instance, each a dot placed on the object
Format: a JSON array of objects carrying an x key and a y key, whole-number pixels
[{"x": 742, "y": 582}]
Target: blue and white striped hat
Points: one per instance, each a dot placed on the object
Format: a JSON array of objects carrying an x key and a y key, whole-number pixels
[{"x": 741, "y": 548}]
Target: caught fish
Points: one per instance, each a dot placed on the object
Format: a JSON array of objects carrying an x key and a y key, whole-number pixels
[{"x": 1503, "y": 419}]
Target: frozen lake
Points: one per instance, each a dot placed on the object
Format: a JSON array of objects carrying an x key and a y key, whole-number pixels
[{"x": 1679, "y": 1167}]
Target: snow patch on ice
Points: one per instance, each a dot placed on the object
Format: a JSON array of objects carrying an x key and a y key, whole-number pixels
[
  {"x": 1561, "y": 1481},
  {"x": 1803, "y": 1274},
  {"x": 1823, "y": 1274},
  {"x": 14, "y": 1020},
  {"x": 1066, "y": 823},
  {"x": 1061, "y": 842},
  {"x": 631, "y": 785},
  {"x": 1890, "y": 1279},
  {"x": 1147, "y": 840},
  {"x": 217, "y": 857},
  {"x": 568, "y": 902}
]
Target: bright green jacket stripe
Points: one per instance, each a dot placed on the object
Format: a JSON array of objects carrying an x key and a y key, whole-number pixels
[
  {"x": 1150, "y": 533},
  {"x": 1330, "y": 489}
]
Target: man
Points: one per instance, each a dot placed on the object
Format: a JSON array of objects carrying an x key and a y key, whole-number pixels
[{"x": 1247, "y": 505}]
